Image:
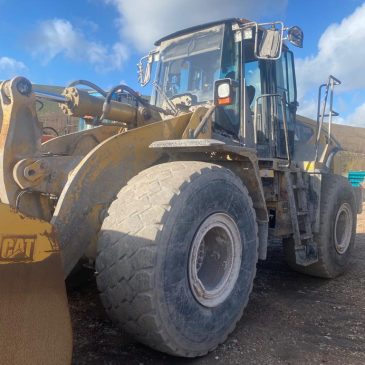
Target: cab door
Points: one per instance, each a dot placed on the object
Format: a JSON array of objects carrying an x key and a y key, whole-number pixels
[
  {"x": 285, "y": 87},
  {"x": 272, "y": 84},
  {"x": 258, "y": 104}
]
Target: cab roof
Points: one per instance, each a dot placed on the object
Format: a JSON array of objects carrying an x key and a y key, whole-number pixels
[{"x": 196, "y": 28}]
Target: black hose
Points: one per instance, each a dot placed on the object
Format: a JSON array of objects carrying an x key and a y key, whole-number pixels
[
  {"x": 41, "y": 105},
  {"x": 51, "y": 129},
  {"x": 128, "y": 90},
  {"x": 90, "y": 84},
  {"x": 135, "y": 95},
  {"x": 108, "y": 96}
]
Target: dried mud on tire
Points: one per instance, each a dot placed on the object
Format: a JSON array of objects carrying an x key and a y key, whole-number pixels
[{"x": 290, "y": 319}]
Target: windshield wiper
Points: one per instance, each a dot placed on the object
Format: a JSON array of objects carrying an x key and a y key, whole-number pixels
[{"x": 168, "y": 101}]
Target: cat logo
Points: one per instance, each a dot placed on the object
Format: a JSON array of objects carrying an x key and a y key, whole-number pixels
[{"x": 17, "y": 248}]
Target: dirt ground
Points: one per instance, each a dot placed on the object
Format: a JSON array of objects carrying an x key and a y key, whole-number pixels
[{"x": 290, "y": 319}]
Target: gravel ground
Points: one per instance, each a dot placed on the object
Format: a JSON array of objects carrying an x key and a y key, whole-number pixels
[{"x": 290, "y": 319}]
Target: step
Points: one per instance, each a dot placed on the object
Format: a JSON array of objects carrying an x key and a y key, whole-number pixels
[
  {"x": 306, "y": 236},
  {"x": 303, "y": 212},
  {"x": 300, "y": 187},
  {"x": 307, "y": 254}
]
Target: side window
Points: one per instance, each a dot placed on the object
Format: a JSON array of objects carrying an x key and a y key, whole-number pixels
[
  {"x": 285, "y": 76},
  {"x": 253, "y": 81},
  {"x": 254, "y": 91},
  {"x": 303, "y": 133},
  {"x": 285, "y": 84},
  {"x": 227, "y": 118},
  {"x": 292, "y": 92}
]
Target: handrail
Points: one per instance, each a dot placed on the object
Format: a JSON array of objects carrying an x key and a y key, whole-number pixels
[{"x": 329, "y": 89}]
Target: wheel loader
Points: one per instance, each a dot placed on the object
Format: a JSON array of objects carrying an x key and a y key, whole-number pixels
[{"x": 173, "y": 199}]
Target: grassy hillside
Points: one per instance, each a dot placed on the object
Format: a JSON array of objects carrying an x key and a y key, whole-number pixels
[
  {"x": 351, "y": 138},
  {"x": 49, "y": 107}
]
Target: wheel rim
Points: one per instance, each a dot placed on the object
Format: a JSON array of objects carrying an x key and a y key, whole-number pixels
[
  {"x": 215, "y": 260},
  {"x": 343, "y": 228}
]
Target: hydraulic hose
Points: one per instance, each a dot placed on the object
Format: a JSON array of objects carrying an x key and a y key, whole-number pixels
[
  {"x": 90, "y": 84},
  {"x": 130, "y": 91}
]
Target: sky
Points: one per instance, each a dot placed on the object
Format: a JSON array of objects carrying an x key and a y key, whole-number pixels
[{"x": 56, "y": 42}]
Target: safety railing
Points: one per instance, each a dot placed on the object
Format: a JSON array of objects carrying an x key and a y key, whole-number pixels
[{"x": 322, "y": 112}]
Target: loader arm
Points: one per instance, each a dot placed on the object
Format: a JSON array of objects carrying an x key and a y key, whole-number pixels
[{"x": 71, "y": 180}]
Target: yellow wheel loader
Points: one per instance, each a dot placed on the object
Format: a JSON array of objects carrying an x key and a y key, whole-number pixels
[{"x": 174, "y": 199}]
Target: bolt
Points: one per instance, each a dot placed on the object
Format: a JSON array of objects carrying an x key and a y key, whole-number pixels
[{"x": 24, "y": 86}]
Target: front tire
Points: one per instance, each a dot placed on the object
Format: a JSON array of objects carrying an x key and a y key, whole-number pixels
[
  {"x": 177, "y": 256},
  {"x": 336, "y": 237}
]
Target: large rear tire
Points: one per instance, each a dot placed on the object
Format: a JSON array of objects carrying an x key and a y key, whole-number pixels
[
  {"x": 177, "y": 256},
  {"x": 336, "y": 237}
]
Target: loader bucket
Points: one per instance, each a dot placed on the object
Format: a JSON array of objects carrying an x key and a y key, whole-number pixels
[{"x": 35, "y": 326}]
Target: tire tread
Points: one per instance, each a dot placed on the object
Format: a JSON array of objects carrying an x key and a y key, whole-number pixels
[{"x": 138, "y": 313}]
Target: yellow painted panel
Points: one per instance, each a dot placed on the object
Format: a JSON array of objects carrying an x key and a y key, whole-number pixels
[{"x": 23, "y": 239}]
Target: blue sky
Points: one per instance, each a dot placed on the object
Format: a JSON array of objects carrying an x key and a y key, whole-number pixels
[{"x": 56, "y": 42}]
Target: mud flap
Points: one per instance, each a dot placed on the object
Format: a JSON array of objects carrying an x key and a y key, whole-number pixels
[{"x": 35, "y": 325}]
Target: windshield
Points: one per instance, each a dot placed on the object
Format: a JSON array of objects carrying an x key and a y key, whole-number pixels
[{"x": 190, "y": 64}]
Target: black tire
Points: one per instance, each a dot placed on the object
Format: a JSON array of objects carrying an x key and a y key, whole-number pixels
[
  {"x": 144, "y": 251},
  {"x": 336, "y": 194}
]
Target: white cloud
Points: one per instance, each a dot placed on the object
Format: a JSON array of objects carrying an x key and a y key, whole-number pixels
[
  {"x": 9, "y": 67},
  {"x": 357, "y": 118},
  {"x": 308, "y": 108},
  {"x": 58, "y": 36},
  {"x": 340, "y": 53},
  {"x": 142, "y": 22}
]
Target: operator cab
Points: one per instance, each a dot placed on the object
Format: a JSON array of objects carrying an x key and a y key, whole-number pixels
[{"x": 240, "y": 66}]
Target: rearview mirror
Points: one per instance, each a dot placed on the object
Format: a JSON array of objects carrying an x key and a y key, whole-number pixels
[
  {"x": 270, "y": 45},
  {"x": 295, "y": 36},
  {"x": 268, "y": 40}
]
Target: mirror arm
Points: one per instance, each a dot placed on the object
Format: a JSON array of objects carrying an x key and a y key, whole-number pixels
[{"x": 144, "y": 76}]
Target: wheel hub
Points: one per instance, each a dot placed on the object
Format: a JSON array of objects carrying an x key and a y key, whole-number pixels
[
  {"x": 215, "y": 260},
  {"x": 343, "y": 228}
]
